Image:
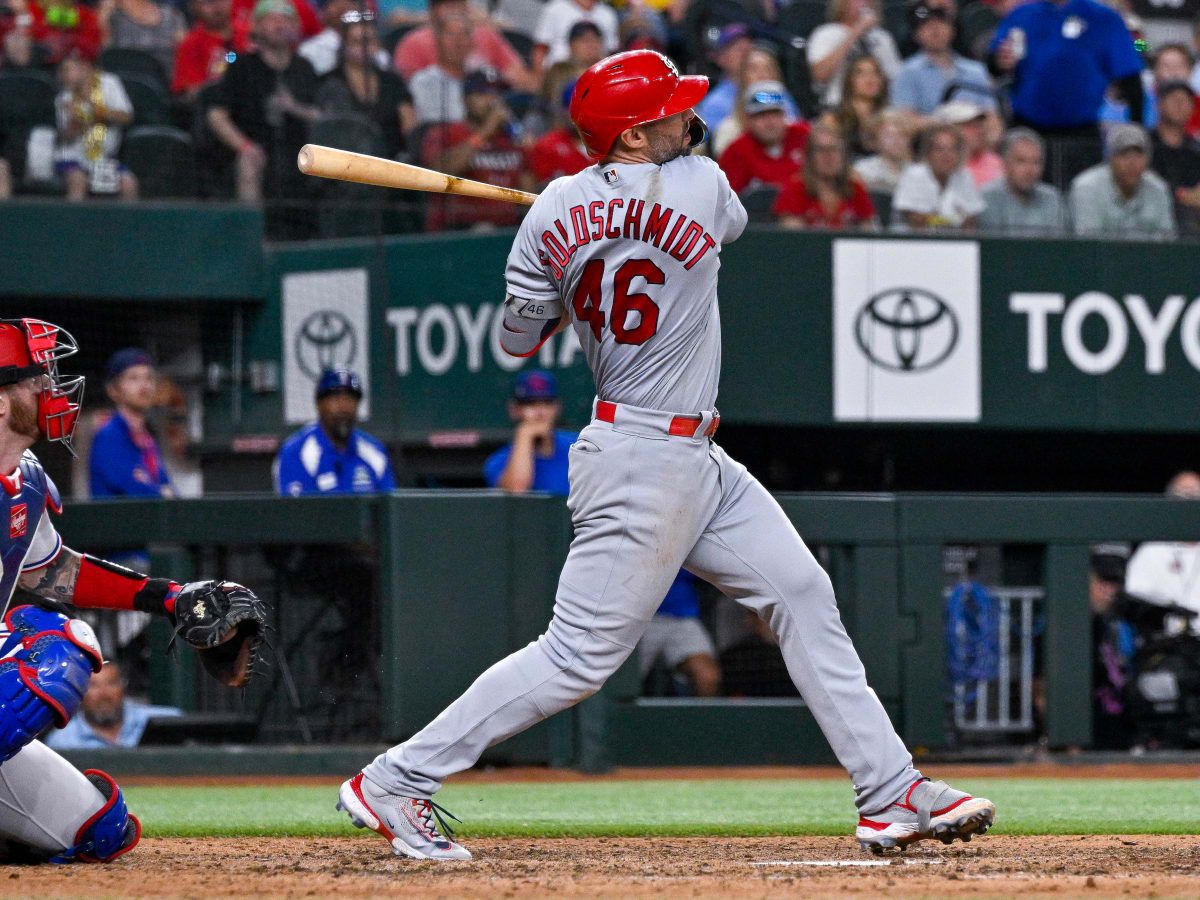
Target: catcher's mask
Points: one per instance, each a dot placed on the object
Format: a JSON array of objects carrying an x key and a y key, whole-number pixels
[{"x": 31, "y": 348}]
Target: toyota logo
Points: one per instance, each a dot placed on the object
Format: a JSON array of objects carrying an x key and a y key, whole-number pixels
[
  {"x": 325, "y": 340},
  {"x": 906, "y": 330}
]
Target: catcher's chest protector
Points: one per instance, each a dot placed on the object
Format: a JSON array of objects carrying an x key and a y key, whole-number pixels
[{"x": 24, "y": 498}]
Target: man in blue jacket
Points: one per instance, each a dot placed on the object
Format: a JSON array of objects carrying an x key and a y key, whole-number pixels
[
  {"x": 124, "y": 460},
  {"x": 331, "y": 456}
]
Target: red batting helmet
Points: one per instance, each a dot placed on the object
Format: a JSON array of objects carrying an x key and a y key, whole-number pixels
[
  {"x": 629, "y": 89},
  {"x": 31, "y": 348}
]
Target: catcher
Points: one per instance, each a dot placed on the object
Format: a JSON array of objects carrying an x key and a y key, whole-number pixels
[{"x": 48, "y": 809}]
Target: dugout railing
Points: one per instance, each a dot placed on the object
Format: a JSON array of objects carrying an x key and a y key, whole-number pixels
[{"x": 467, "y": 576}]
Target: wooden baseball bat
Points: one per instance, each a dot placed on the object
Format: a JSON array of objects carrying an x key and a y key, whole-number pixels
[{"x": 342, "y": 165}]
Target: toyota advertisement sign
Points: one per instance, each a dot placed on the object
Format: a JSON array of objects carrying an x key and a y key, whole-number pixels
[{"x": 906, "y": 331}]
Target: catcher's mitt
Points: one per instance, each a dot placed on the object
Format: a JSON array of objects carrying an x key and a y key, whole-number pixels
[{"x": 225, "y": 623}]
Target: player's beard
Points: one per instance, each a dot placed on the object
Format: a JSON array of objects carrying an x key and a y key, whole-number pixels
[
  {"x": 665, "y": 146},
  {"x": 23, "y": 416}
]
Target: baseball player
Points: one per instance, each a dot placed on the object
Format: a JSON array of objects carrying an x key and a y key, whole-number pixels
[
  {"x": 627, "y": 252},
  {"x": 48, "y": 809}
]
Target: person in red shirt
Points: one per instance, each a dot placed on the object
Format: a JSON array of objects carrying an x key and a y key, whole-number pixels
[
  {"x": 771, "y": 150},
  {"x": 826, "y": 194},
  {"x": 480, "y": 148},
  {"x": 206, "y": 50},
  {"x": 559, "y": 151},
  {"x": 417, "y": 50},
  {"x": 63, "y": 27}
]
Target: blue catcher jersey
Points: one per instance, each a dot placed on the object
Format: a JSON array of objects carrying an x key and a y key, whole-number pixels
[{"x": 28, "y": 539}]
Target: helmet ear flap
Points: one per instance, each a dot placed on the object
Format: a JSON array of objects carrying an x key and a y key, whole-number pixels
[{"x": 697, "y": 132}]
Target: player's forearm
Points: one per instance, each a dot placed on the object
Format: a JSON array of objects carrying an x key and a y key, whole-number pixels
[{"x": 92, "y": 583}]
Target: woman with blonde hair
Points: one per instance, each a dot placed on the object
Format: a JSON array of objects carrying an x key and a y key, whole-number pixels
[
  {"x": 759, "y": 64},
  {"x": 826, "y": 193},
  {"x": 891, "y": 137},
  {"x": 864, "y": 96},
  {"x": 852, "y": 30}
]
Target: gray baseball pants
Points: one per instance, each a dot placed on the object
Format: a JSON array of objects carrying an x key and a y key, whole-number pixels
[
  {"x": 643, "y": 504},
  {"x": 44, "y": 800}
]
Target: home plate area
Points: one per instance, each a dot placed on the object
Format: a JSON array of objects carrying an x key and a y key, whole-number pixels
[{"x": 761, "y": 867}]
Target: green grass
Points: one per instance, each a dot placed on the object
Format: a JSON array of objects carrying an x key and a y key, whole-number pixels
[{"x": 674, "y": 808}]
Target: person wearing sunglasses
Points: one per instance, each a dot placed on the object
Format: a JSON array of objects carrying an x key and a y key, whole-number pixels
[{"x": 772, "y": 149}]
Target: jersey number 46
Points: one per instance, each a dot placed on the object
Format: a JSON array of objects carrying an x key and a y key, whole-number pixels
[{"x": 588, "y": 298}]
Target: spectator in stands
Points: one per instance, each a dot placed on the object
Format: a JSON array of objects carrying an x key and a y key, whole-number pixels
[
  {"x": 245, "y": 21},
  {"x": 1121, "y": 197},
  {"x": 938, "y": 192},
  {"x": 972, "y": 120},
  {"x": 1176, "y": 155},
  {"x": 91, "y": 109},
  {"x": 125, "y": 461},
  {"x": 1021, "y": 201},
  {"x": 559, "y": 151},
  {"x": 936, "y": 73},
  {"x": 1063, "y": 55},
  {"x": 772, "y": 149},
  {"x": 537, "y": 460},
  {"x": 205, "y": 51},
  {"x": 1172, "y": 62},
  {"x": 585, "y": 47},
  {"x": 362, "y": 85},
  {"x": 864, "y": 96},
  {"x": 1168, "y": 572},
  {"x": 826, "y": 193},
  {"x": 437, "y": 89},
  {"x": 18, "y": 49},
  {"x": 554, "y": 27},
  {"x": 147, "y": 25},
  {"x": 728, "y": 53},
  {"x": 482, "y": 148},
  {"x": 263, "y": 106},
  {"x": 107, "y": 718},
  {"x": 331, "y": 456},
  {"x": 853, "y": 30},
  {"x": 63, "y": 27},
  {"x": 487, "y": 48},
  {"x": 321, "y": 50},
  {"x": 759, "y": 64},
  {"x": 892, "y": 140}
]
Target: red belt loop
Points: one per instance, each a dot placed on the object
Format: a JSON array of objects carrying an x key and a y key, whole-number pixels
[
  {"x": 605, "y": 411},
  {"x": 712, "y": 426},
  {"x": 681, "y": 426}
]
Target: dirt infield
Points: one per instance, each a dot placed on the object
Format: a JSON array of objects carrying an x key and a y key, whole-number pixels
[{"x": 993, "y": 866}]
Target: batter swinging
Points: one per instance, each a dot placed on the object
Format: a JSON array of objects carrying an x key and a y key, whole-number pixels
[{"x": 627, "y": 251}]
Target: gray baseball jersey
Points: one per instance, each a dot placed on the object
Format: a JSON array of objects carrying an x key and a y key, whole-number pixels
[{"x": 632, "y": 251}]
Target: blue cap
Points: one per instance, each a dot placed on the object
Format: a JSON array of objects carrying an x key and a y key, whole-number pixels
[
  {"x": 537, "y": 384},
  {"x": 125, "y": 359},
  {"x": 339, "y": 380}
]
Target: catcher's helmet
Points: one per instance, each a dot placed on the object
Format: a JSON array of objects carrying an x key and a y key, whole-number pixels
[
  {"x": 31, "y": 348},
  {"x": 630, "y": 89}
]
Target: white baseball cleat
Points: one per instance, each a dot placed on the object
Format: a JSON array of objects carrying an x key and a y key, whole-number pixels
[
  {"x": 408, "y": 823},
  {"x": 930, "y": 809}
]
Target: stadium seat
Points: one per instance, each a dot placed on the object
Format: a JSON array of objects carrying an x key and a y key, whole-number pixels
[
  {"x": 758, "y": 201},
  {"x": 883, "y": 207},
  {"x": 127, "y": 61},
  {"x": 162, "y": 159},
  {"x": 151, "y": 103},
  {"x": 522, "y": 43},
  {"x": 26, "y": 102}
]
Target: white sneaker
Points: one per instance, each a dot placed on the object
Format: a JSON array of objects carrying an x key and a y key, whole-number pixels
[
  {"x": 929, "y": 809},
  {"x": 408, "y": 823}
]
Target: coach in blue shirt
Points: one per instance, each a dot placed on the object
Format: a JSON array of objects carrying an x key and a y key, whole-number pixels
[
  {"x": 537, "y": 460},
  {"x": 331, "y": 456},
  {"x": 1063, "y": 55},
  {"x": 124, "y": 459}
]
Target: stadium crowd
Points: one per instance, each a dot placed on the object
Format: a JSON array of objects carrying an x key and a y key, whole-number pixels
[{"x": 1046, "y": 116}]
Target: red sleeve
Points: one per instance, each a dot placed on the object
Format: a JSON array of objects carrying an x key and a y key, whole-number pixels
[
  {"x": 733, "y": 163},
  {"x": 440, "y": 138},
  {"x": 414, "y": 52},
  {"x": 310, "y": 22},
  {"x": 860, "y": 202},
  {"x": 1193, "y": 125},
  {"x": 542, "y": 158},
  {"x": 190, "y": 67},
  {"x": 88, "y": 37},
  {"x": 800, "y": 132},
  {"x": 791, "y": 199}
]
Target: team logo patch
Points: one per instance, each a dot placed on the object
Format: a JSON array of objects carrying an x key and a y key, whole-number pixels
[
  {"x": 18, "y": 522},
  {"x": 611, "y": 176}
]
